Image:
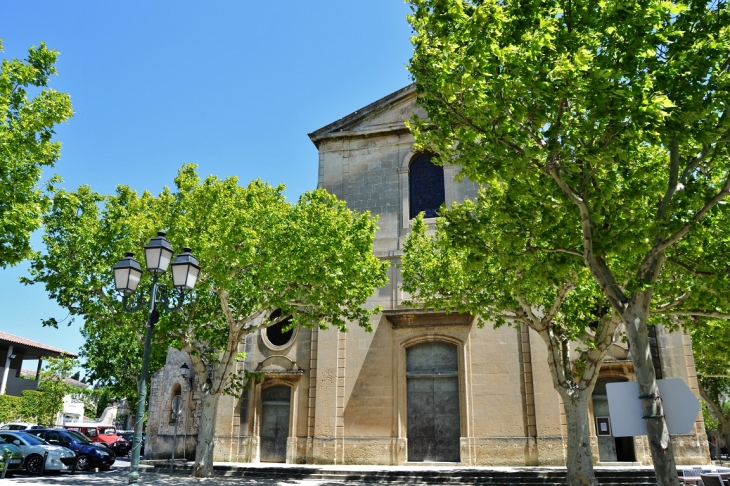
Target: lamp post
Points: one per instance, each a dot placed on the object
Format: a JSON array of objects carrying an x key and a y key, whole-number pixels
[
  {"x": 127, "y": 275},
  {"x": 185, "y": 373}
]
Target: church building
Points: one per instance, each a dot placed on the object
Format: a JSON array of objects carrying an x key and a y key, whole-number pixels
[{"x": 425, "y": 386}]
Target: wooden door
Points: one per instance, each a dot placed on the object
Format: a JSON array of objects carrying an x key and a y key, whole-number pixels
[
  {"x": 434, "y": 422},
  {"x": 276, "y": 401}
]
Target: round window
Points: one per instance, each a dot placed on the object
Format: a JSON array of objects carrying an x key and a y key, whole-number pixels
[{"x": 275, "y": 336}]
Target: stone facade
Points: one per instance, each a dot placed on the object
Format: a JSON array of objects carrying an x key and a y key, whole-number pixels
[{"x": 346, "y": 398}]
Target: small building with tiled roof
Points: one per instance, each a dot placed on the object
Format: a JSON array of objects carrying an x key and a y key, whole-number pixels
[{"x": 14, "y": 350}]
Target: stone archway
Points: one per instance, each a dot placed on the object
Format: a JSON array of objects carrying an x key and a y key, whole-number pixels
[{"x": 433, "y": 414}]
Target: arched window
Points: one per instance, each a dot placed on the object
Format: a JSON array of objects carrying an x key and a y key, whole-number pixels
[
  {"x": 425, "y": 186},
  {"x": 176, "y": 391}
]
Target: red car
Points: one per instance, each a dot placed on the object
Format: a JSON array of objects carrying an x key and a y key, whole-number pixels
[{"x": 102, "y": 433}]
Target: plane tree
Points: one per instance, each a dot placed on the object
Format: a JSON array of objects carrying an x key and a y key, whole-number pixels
[
  {"x": 477, "y": 262},
  {"x": 260, "y": 256},
  {"x": 616, "y": 115},
  {"x": 30, "y": 111}
]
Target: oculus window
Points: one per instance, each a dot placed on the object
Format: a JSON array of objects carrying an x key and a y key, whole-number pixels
[
  {"x": 426, "y": 192},
  {"x": 276, "y": 333}
]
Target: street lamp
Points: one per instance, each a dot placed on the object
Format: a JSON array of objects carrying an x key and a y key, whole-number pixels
[
  {"x": 185, "y": 373},
  {"x": 127, "y": 275}
]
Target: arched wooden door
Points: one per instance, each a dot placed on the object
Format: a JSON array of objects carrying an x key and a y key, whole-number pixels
[
  {"x": 276, "y": 402},
  {"x": 434, "y": 425}
]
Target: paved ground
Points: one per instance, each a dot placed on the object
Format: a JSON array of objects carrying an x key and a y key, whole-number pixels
[{"x": 118, "y": 477}]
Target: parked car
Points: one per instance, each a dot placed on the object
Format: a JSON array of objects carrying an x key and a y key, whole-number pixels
[
  {"x": 20, "y": 426},
  {"x": 34, "y": 448},
  {"x": 102, "y": 434},
  {"x": 15, "y": 463},
  {"x": 129, "y": 435},
  {"x": 88, "y": 454}
]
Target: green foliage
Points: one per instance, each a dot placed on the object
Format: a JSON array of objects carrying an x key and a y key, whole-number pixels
[
  {"x": 26, "y": 146},
  {"x": 711, "y": 422},
  {"x": 710, "y": 347},
  {"x": 45, "y": 404},
  {"x": 258, "y": 253},
  {"x": 600, "y": 130},
  {"x": 10, "y": 408},
  {"x": 113, "y": 357},
  {"x": 106, "y": 397}
]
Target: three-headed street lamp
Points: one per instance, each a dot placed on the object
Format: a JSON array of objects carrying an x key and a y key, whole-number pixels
[{"x": 127, "y": 275}]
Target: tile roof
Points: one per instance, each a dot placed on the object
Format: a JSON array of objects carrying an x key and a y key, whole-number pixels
[
  {"x": 70, "y": 381},
  {"x": 13, "y": 339}
]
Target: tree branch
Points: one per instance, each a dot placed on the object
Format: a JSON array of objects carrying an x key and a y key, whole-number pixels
[
  {"x": 223, "y": 296},
  {"x": 596, "y": 265},
  {"x": 698, "y": 313},
  {"x": 673, "y": 179},
  {"x": 554, "y": 250},
  {"x": 589, "y": 177},
  {"x": 690, "y": 269},
  {"x": 674, "y": 303},
  {"x": 682, "y": 232},
  {"x": 558, "y": 302},
  {"x": 105, "y": 300},
  {"x": 527, "y": 309}
]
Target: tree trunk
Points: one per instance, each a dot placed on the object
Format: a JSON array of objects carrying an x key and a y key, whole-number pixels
[
  {"x": 579, "y": 460},
  {"x": 203, "y": 466},
  {"x": 662, "y": 453}
]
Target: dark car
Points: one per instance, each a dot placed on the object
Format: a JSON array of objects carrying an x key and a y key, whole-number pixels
[
  {"x": 13, "y": 455},
  {"x": 88, "y": 454},
  {"x": 129, "y": 435}
]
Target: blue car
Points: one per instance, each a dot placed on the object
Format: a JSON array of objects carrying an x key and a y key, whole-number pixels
[{"x": 89, "y": 455}]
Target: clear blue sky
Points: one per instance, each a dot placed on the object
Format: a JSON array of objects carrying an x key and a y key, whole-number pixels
[{"x": 233, "y": 86}]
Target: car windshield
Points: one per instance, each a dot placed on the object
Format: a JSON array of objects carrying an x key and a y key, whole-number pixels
[
  {"x": 79, "y": 436},
  {"x": 31, "y": 439}
]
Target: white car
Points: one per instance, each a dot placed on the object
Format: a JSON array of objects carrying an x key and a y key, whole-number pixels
[
  {"x": 20, "y": 426},
  {"x": 34, "y": 448}
]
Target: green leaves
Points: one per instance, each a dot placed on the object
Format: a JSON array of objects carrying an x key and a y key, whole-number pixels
[
  {"x": 26, "y": 146},
  {"x": 43, "y": 405},
  {"x": 258, "y": 253},
  {"x": 568, "y": 112}
]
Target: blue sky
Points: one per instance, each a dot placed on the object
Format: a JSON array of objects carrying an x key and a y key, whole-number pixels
[{"x": 233, "y": 86}]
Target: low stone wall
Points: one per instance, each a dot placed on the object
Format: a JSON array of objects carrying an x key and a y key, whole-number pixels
[
  {"x": 161, "y": 447},
  {"x": 236, "y": 448}
]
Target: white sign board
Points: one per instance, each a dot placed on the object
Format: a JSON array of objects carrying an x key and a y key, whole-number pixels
[{"x": 680, "y": 407}]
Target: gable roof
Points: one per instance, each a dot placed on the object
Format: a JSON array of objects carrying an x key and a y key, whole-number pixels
[
  {"x": 344, "y": 125},
  {"x": 31, "y": 374},
  {"x": 31, "y": 349}
]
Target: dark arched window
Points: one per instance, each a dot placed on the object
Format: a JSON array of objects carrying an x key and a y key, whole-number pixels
[
  {"x": 425, "y": 186},
  {"x": 176, "y": 391}
]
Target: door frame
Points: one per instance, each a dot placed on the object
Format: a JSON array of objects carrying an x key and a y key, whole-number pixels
[
  {"x": 401, "y": 393},
  {"x": 616, "y": 373},
  {"x": 258, "y": 415}
]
